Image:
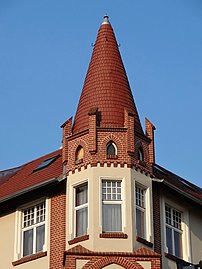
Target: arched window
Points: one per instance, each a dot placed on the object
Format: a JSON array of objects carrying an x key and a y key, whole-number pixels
[
  {"x": 140, "y": 154},
  {"x": 111, "y": 149},
  {"x": 79, "y": 154}
]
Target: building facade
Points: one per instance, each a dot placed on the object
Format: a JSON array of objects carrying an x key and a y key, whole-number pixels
[{"x": 100, "y": 201}]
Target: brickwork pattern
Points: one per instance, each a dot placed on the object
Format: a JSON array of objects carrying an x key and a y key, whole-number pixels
[
  {"x": 98, "y": 260},
  {"x": 57, "y": 228},
  {"x": 156, "y": 221},
  {"x": 150, "y": 133},
  {"x": 106, "y": 86}
]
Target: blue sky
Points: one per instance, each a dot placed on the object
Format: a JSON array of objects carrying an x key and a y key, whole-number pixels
[{"x": 45, "y": 49}]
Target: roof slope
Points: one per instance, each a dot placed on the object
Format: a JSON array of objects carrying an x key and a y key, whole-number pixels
[
  {"x": 27, "y": 175},
  {"x": 179, "y": 184},
  {"x": 106, "y": 86}
]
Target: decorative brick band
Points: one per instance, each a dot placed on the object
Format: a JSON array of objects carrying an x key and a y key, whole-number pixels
[
  {"x": 96, "y": 260},
  {"x": 144, "y": 241},
  {"x": 30, "y": 258},
  {"x": 101, "y": 263},
  {"x": 78, "y": 239},
  {"x": 112, "y": 157},
  {"x": 114, "y": 235}
]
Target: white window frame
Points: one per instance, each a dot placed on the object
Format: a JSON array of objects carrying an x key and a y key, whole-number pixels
[
  {"x": 186, "y": 252},
  {"x": 148, "y": 209},
  {"x": 18, "y": 245},
  {"x": 121, "y": 202},
  {"x": 74, "y": 187},
  {"x": 173, "y": 228},
  {"x": 141, "y": 208}
]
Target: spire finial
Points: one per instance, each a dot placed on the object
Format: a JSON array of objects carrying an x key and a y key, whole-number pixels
[{"x": 106, "y": 20}]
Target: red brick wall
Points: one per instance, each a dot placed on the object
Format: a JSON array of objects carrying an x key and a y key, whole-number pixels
[
  {"x": 96, "y": 153},
  {"x": 156, "y": 217},
  {"x": 57, "y": 227},
  {"x": 150, "y": 133},
  {"x": 98, "y": 260}
]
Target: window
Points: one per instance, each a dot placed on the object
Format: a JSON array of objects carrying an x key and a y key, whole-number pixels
[
  {"x": 33, "y": 229},
  {"x": 111, "y": 206},
  {"x": 81, "y": 210},
  {"x": 79, "y": 154},
  {"x": 140, "y": 154},
  {"x": 111, "y": 149},
  {"x": 46, "y": 163},
  {"x": 140, "y": 211},
  {"x": 173, "y": 221}
]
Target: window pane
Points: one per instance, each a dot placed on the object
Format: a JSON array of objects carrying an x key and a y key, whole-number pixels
[
  {"x": 140, "y": 194},
  {"x": 79, "y": 153},
  {"x": 178, "y": 244},
  {"x": 82, "y": 195},
  {"x": 168, "y": 215},
  {"x": 111, "y": 217},
  {"x": 111, "y": 190},
  {"x": 28, "y": 242},
  {"x": 111, "y": 149},
  {"x": 169, "y": 240},
  {"x": 40, "y": 213},
  {"x": 81, "y": 221},
  {"x": 176, "y": 219},
  {"x": 40, "y": 237},
  {"x": 28, "y": 217},
  {"x": 140, "y": 222}
]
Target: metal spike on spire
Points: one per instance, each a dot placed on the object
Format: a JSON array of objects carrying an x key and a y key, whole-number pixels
[{"x": 106, "y": 20}]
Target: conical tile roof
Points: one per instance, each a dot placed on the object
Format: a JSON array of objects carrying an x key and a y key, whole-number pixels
[{"x": 106, "y": 86}]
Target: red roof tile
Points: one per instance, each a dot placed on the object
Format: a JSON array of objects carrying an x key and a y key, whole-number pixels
[
  {"x": 181, "y": 185},
  {"x": 26, "y": 178},
  {"x": 106, "y": 86}
]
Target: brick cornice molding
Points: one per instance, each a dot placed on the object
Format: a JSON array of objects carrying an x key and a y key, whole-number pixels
[
  {"x": 101, "y": 263},
  {"x": 69, "y": 138},
  {"x": 141, "y": 252}
]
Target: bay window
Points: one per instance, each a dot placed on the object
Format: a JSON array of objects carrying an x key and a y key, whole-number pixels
[
  {"x": 111, "y": 206},
  {"x": 81, "y": 210}
]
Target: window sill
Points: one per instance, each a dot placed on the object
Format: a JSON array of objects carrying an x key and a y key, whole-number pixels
[
  {"x": 78, "y": 239},
  {"x": 114, "y": 235},
  {"x": 112, "y": 157},
  {"x": 144, "y": 241},
  {"x": 30, "y": 258},
  {"x": 79, "y": 161},
  {"x": 172, "y": 257},
  {"x": 142, "y": 163}
]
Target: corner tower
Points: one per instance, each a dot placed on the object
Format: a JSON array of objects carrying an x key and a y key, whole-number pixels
[
  {"x": 108, "y": 163},
  {"x": 106, "y": 115}
]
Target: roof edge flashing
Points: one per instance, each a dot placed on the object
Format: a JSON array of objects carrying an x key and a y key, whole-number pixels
[{"x": 32, "y": 188}]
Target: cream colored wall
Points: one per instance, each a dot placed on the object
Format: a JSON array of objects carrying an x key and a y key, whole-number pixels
[
  {"x": 196, "y": 234},
  {"x": 94, "y": 175},
  {"x": 7, "y": 236},
  {"x": 113, "y": 266},
  {"x": 145, "y": 264},
  {"x": 192, "y": 244},
  {"x": 8, "y": 240}
]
